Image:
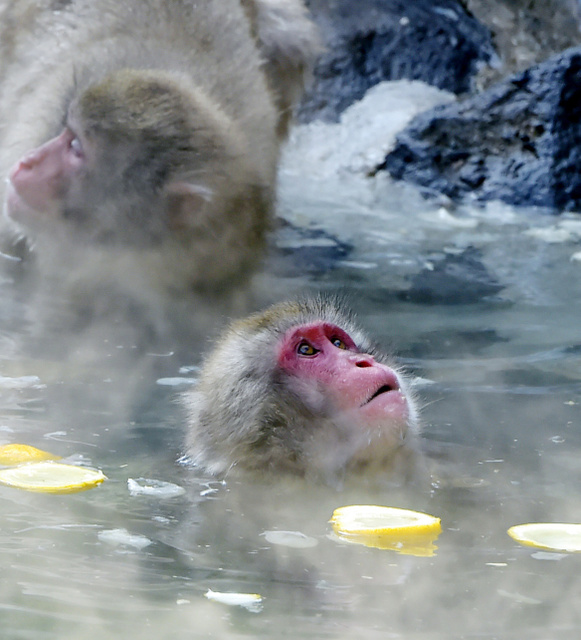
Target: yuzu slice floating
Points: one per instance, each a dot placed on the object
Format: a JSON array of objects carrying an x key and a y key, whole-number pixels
[
  {"x": 549, "y": 536},
  {"x": 11, "y": 454},
  {"x": 51, "y": 477},
  {"x": 402, "y": 530}
]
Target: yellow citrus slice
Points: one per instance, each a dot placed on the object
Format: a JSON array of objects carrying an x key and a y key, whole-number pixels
[
  {"x": 550, "y": 536},
  {"x": 11, "y": 454},
  {"x": 51, "y": 477},
  {"x": 401, "y": 530}
]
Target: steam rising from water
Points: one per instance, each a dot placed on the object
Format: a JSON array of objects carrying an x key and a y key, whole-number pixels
[{"x": 501, "y": 422}]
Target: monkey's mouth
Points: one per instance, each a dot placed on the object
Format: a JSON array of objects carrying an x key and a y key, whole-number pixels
[{"x": 385, "y": 388}]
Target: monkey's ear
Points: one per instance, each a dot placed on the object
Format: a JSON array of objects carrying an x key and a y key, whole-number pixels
[{"x": 185, "y": 202}]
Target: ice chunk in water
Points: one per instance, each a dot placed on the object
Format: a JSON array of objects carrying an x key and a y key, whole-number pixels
[{"x": 156, "y": 488}]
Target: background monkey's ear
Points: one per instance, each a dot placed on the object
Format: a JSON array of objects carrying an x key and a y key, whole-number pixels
[{"x": 186, "y": 202}]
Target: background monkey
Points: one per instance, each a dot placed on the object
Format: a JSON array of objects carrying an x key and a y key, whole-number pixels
[
  {"x": 145, "y": 133},
  {"x": 299, "y": 388}
]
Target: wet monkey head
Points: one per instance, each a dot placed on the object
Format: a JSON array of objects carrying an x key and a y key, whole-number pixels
[
  {"x": 139, "y": 159},
  {"x": 300, "y": 388},
  {"x": 150, "y": 125}
]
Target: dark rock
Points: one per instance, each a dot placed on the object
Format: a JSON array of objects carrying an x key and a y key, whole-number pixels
[
  {"x": 369, "y": 41},
  {"x": 526, "y": 32},
  {"x": 519, "y": 141},
  {"x": 455, "y": 279}
]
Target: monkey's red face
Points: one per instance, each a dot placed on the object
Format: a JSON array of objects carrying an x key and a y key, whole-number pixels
[
  {"x": 39, "y": 181},
  {"x": 331, "y": 375}
]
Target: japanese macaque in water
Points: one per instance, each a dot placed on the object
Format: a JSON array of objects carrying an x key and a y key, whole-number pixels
[
  {"x": 142, "y": 136},
  {"x": 299, "y": 388}
]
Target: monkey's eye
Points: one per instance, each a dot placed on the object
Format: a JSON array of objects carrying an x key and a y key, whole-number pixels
[
  {"x": 306, "y": 349},
  {"x": 76, "y": 147},
  {"x": 337, "y": 342}
]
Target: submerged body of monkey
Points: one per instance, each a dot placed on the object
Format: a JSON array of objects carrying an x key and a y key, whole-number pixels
[
  {"x": 300, "y": 388},
  {"x": 145, "y": 133}
]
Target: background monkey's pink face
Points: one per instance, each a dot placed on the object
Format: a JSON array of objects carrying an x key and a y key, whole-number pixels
[
  {"x": 39, "y": 181},
  {"x": 325, "y": 356}
]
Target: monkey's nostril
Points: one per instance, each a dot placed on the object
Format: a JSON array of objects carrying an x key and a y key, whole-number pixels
[{"x": 363, "y": 363}]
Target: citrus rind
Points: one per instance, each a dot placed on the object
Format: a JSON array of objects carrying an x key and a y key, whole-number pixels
[
  {"x": 12, "y": 454},
  {"x": 548, "y": 536},
  {"x": 402, "y": 530},
  {"x": 378, "y": 520},
  {"x": 51, "y": 477}
]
